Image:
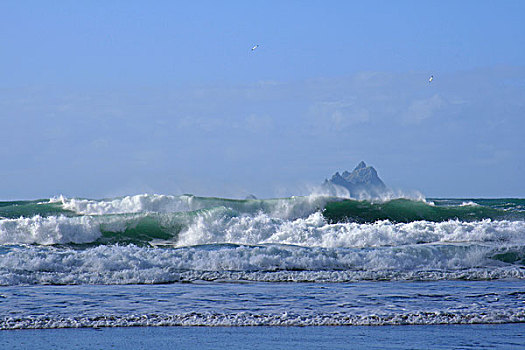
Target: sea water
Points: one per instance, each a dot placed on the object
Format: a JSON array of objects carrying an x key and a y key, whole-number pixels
[
  {"x": 263, "y": 304},
  {"x": 159, "y": 260},
  {"x": 502, "y": 336}
]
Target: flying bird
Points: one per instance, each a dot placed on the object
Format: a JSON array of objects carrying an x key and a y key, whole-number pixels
[
  {"x": 430, "y": 79},
  {"x": 256, "y": 46}
]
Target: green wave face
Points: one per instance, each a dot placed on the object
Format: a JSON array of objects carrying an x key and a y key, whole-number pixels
[
  {"x": 16, "y": 209},
  {"x": 139, "y": 232},
  {"x": 512, "y": 255},
  {"x": 404, "y": 210},
  {"x": 143, "y": 229}
]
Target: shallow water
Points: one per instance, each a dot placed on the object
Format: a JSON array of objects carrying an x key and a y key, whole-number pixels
[
  {"x": 263, "y": 304},
  {"x": 503, "y": 336}
]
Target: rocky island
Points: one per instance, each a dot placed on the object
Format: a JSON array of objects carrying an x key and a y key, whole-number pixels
[{"x": 362, "y": 182}]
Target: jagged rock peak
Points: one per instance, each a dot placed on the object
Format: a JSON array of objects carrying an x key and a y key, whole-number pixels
[
  {"x": 361, "y": 165},
  {"x": 337, "y": 176},
  {"x": 363, "y": 180}
]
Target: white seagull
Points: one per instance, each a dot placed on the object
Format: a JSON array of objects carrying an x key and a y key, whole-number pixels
[
  {"x": 430, "y": 79},
  {"x": 256, "y": 46}
]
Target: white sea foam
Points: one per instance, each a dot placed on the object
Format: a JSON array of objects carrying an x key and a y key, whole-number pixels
[
  {"x": 341, "y": 192},
  {"x": 266, "y": 319},
  {"x": 220, "y": 225},
  {"x": 48, "y": 230},
  {"x": 131, "y": 264},
  {"x": 469, "y": 204},
  {"x": 314, "y": 231},
  {"x": 130, "y": 204}
]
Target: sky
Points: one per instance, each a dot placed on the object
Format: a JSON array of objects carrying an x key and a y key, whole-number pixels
[{"x": 110, "y": 98}]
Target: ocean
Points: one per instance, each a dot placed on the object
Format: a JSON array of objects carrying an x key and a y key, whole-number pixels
[{"x": 162, "y": 260}]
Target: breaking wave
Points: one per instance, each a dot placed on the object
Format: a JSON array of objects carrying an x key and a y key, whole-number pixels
[
  {"x": 308, "y": 221},
  {"x": 166, "y": 239},
  {"x": 223, "y": 225}
]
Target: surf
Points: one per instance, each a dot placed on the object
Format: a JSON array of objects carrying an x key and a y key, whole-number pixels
[{"x": 309, "y": 221}]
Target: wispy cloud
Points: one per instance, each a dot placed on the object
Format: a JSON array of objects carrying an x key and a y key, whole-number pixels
[
  {"x": 420, "y": 110},
  {"x": 338, "y": 115}
]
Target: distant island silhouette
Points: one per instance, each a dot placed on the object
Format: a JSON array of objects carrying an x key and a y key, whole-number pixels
[{"x": 363, "y": 181}]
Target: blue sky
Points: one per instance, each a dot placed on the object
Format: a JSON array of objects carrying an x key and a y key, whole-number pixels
[{"x": 106, "y": 98}]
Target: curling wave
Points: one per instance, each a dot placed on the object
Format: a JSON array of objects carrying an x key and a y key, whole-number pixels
[{"x": 308, "y": 221}]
